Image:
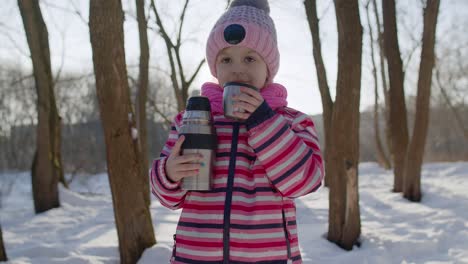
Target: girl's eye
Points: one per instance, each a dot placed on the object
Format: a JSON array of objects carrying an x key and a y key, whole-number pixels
[
  {"x": 225, "y": 60},
  {"x": 249, "y": 59}
]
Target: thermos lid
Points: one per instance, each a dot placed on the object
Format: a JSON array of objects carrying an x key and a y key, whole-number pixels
[
  {"x": 241, "y": 84},
  {"x": 200, "y": 103}
]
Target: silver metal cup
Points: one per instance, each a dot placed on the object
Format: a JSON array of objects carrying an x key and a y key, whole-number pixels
[
  {"x": 200, "y": 138},
  {"x": 231, "y": 89}
]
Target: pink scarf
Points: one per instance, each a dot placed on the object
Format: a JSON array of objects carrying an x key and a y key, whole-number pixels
[{"x": 274, "y": 94}]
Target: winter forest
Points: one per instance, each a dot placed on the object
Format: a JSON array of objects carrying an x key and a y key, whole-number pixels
[{"x": 88, "y": 91}]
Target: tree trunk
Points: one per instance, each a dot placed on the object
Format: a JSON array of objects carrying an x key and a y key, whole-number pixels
[
  {"x": 398, "y": 119},
  {"x": 412, "y": 180},
  {"x": 3, "y": 255},
  {"x": 143, "y": 95},
  {"x": 132, "y": 216},
  {"x": 327, "y": 102},
  {"x": 388, "y": 132},
  {"x": 380, "y": 153},
  {"x": 47, "y": 165},
  {"x": 344, "y": 217}
]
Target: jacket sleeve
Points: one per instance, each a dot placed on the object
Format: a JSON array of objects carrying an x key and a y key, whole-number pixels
[
  {"x": 168, "y": 192},
  {"x": 287, "y": 147}
]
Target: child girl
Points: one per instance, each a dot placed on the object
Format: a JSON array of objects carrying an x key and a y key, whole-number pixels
[{"x": 263, "y": 161}]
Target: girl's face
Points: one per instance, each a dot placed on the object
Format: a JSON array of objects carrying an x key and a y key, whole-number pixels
[{"x": 241, "y": 64}]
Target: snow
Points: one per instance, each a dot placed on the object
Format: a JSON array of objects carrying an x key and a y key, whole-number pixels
[
  {"x": 394, "y": 230},
  {"x": 134, "y": 133}
]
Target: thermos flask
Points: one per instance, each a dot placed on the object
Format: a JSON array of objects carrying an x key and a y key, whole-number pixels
[
  {"x": 200, "y": 138},
  {"x": 230, "y": 89}
]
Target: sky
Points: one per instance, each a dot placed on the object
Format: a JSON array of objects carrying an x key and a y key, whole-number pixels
[
  {"x": 393, "y": 230},
  {"x": 71, "y": 50}
]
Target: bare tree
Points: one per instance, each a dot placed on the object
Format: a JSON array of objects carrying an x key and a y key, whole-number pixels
[
  {"x": 414, "y": 157},
  {"x": 385, "y": 91},
  {"x": 398, "y": 119},
  {"x": 47, "y": 165},
  {"x": 132, "y": 216},
  {"x": 448, "y": 102},
  {"x": 3, "y": 255},
  {"x": 327, "y": 102},
  {"x": 180, "y": 82},
  {"x": 344, "y": 217},
  {"x": 18, "y": 110},
  {"x": 142, "y": 93},
  {"x": 381, "y": 156}
]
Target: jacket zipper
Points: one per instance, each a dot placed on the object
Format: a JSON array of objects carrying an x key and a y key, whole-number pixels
[
  {"x": 174, "y": 249},
  {"x": 285, "y": 226},
  {"x": 228, "y": 202}
]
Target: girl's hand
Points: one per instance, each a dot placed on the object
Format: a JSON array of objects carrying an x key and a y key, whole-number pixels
[
  {"x": 247, "y": 102},
  {"x": 180, "y": 166}
]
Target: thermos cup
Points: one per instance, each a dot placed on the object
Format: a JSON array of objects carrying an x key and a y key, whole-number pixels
[
  {"x": 200, "y": 138},
  {"x": 230, "y": 89}
]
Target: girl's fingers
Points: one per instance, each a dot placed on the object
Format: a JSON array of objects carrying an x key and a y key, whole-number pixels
[
  {"x": 252, "y": 93},
  {"x": 241, "y": 115},
  {"x": 177, "y": 146},
  {"x": 188, "y": 167},
  {"x": 247, "y": 107},
  {"x": 251, "y": 97},
  {"x": 180, "y": 166},
  {"x": 183, "y": 174},
  {"x": 188, "y": 158},
  {"x": 247, "y": 99}
]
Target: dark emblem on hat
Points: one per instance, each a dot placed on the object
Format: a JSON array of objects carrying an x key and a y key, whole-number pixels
[{"x": 234, "y": 34}]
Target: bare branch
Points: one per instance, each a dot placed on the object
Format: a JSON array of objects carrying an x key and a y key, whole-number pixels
[
  {"x": 62, "y": 59},
  {"x": 75, "y": 79},
  {"x": 413, "y": 39},
  {"x": 75, "y": 9},
  {"x": 133, "y": 81},
  {"x": 410, "y": 55},
  {"x": 177, "y": 49},
  {"x": 182, "y": 18},
  {"x": 15, "y": 43},
  {"x": 159, "y": 69},
  {"x": 325, "y": 11},
  {"x": 169, "y": 47},
  {"x": 154, "y": 105},
  {"x": 181, "y": 69},
  {"x": 20, "y": 80},
  {"x": 195, "y": 73},
  {"x": 78, "y": 13},
  {"x": 447, "y": 100},
  {"x": 162, "y": 30},
  {"x": 3, "y": 25}
]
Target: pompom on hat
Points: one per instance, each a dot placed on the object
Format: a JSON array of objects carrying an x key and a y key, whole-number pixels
[{"x": 246, "y": 23}]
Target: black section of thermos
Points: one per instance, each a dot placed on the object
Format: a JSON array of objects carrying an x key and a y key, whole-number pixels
[{"x": 199, "y": 103}]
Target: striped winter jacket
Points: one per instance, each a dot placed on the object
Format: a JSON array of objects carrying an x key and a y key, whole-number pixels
[{"x": 249, "y": 216}]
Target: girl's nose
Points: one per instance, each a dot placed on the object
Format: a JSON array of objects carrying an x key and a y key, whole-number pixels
[
  {"x": 238, "y": 73},
  {"x": 238, "y": 68}
]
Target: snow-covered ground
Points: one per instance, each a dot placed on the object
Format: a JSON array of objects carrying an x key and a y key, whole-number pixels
[{"x": 393, "y": 229}]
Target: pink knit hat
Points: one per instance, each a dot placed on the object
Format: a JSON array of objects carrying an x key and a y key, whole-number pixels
[{"x": 246, "y": 23}]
